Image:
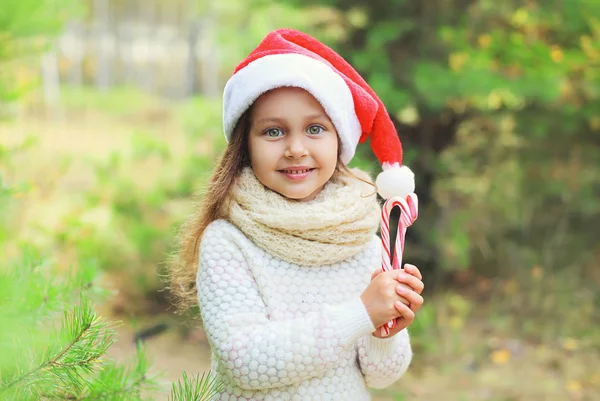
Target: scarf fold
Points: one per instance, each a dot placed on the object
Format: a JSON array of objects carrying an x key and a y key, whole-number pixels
[{"x": 333, "y": 227}]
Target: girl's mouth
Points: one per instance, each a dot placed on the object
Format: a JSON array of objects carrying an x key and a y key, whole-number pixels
[{"x": 296, "y": 174}]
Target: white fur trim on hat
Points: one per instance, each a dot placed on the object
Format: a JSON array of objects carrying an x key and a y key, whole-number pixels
[
  {"x": 294, "y": 70},
  {"x": 395, "y": 180}
]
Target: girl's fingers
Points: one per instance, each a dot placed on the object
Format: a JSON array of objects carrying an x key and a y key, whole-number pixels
[
  {"x": 413, "y": 271},
  {"x": 380, "y": 331},
  {"x": 407, "y": 314},
  {"x": 402, "y": 289},
  {"x": 415, "y": 300},
  {"x": 413, "y": 282}
]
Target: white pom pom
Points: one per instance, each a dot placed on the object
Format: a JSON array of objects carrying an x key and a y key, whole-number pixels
[{"x": 395, "y": 180}]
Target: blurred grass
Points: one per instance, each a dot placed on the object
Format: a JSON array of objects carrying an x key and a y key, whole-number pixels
[
  {"x": 117, "y": 101},
  {"x": 111, "y": 184}
]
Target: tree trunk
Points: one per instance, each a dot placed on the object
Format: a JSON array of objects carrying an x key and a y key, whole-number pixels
[
  {"x": 191, "y": 80},
  {"x": 51, "y": 83},
  {"x": 209, "y": 56},
  {"x": 104, "y": 41}
]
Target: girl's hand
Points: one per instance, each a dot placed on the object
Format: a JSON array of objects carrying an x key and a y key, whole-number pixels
[
  {"x": 380, "y": 295},
  {"x": 410, "y": 289}
]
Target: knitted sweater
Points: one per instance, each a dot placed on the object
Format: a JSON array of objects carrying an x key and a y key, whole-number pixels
[{"x": 279, "y": 331}]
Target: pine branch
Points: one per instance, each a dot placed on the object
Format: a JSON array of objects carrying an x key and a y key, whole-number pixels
[
  {"x": 118, "y": 381},
  {"x": 70, "y": 365},
  {"x": 43, "y": 366},
  {"x": 84, "y": 348},
  {"x": 134, "y": 386},
  {"x": 106, "y": 395},
  {"x": 198, "y": 388}
]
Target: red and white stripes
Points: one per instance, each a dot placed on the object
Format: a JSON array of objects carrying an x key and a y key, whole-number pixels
[{"x": 409, "y": 210}]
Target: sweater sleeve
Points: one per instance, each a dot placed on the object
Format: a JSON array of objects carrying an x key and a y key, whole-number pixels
[
  {"x": 259, "y": 353},
  {"x": 384, "y": 360}
]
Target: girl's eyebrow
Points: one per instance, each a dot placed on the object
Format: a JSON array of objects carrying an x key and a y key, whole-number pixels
[
  {"x": 315, "y": 116},
  {"x": 283, "y": 120},
  {"x": 270, "y": 119}
]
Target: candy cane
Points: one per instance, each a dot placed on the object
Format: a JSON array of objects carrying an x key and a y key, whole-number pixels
[{"x": 409, "y": 209}]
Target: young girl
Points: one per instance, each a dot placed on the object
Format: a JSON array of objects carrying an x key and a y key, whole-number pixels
[{"x": 283, "y": 256}]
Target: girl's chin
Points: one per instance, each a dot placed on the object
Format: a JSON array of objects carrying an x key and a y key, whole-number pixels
[{"x": 301, "y": 196}]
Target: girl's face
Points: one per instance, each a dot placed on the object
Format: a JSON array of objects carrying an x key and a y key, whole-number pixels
[{"x": 292, "y": 142}]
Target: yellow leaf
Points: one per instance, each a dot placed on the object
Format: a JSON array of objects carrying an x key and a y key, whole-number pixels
[
  {"x": 408, "y": 115},
  {"x": 494, "y": 100},
  {"x": 566, "y": 89},
  {"x": 456, "y": 322},
  {"x": 537, "y": 272},
  {"x": 595, "y": 123},
  {"x": 595, "y": 379},
  {"x": 587, "y": 45},
  {"x": 500, "y": 357},
  {"x": 484, "y": 41},
  {"x": 574, "y": 386},
  {"x": 357, "y": 17},
  {"x": 520, "y": 17},
  {"x": 457, "y": 60},
  {"x": 556, "y": 54},
  {"x": 570, "y": 344},
  {"x": 511, "y": 286}
]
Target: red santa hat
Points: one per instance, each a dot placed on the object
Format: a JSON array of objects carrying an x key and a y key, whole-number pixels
[{"x": 288, "y": 58}]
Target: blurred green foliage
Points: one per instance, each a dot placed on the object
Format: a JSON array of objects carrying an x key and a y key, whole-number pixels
[
  {"x": 39, "y": 360},
  {"x": 46, "y": 356},
  {"x": 43, "y": 360},
  {"x": 118, "y": 101},
  {"x": 496, "y": 104},
  {"x": 497, "y": 107},
  {"x": 26, "y": 29},
  {"x": 242, "y": 24}
]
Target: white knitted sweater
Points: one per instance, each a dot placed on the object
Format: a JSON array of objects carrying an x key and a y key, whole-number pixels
[{"x": 279, "y": 331}]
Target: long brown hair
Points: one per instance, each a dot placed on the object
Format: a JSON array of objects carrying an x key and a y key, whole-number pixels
[{"x": 183, "y": 265}]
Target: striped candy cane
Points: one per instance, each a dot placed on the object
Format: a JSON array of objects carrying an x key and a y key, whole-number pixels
[{"x": 409, "y": 210}]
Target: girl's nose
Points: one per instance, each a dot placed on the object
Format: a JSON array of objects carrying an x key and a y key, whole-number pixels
[{"x": 296, "y": 148}]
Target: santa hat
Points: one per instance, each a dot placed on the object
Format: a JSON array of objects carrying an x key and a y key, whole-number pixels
[{"x": 288, "y": 58}]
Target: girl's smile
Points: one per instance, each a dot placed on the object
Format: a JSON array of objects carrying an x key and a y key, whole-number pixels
[{"x": 297, "y": 172}]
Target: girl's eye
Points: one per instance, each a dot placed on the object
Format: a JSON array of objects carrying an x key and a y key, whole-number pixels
[
  {"x": 273, "y": 132},
  {"x": 315, "y": 129}
]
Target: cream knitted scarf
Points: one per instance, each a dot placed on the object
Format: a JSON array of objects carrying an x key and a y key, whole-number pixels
[{"x": 334, "y": 226}]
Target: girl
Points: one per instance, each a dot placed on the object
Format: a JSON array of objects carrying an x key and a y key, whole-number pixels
[{"x": 282, "y": 256}]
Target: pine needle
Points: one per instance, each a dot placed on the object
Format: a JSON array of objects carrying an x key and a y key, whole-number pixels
[{"x": 197, "y": 388}]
